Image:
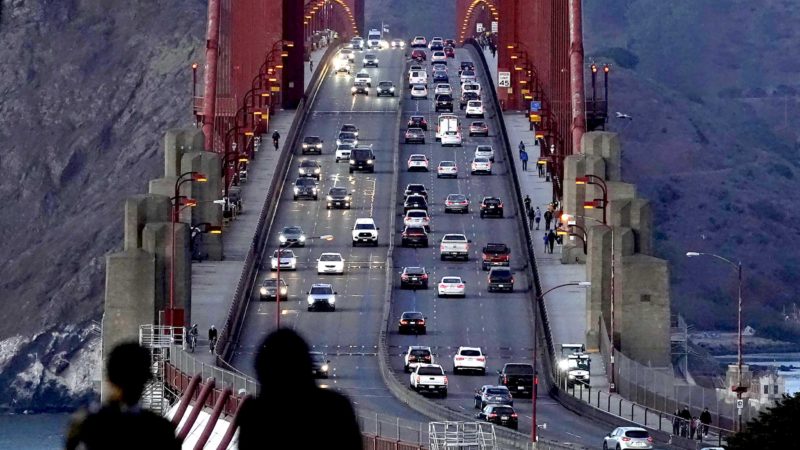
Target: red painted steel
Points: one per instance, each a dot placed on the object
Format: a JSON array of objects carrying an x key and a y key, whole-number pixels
[
  {"x": 186, "y": 398},
  {"x": 576, "y": 74},
  {"x": 228, "y": 437},
  {"x": 212, "y": 421},
  {"x": 210, "y": 74},
  {"x": 198, "y": 406}
]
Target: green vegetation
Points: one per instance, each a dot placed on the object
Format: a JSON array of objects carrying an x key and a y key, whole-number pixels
[{"x": 774, "y": 428}]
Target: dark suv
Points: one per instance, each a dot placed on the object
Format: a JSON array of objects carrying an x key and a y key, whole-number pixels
[
  {"x": 312, "y": 144},
  {"x": 305, "y": 187},
  {"x": 415, "y": 237},
  {"x": 491, "y": 206},
  {"x": 385, "y": 88},
  {"x": 362, "y": 159},
  {"x": 444, "y": 102},
  {"x": 415, "y": 202},
  {"x": 338, "y": 197},
  {"x": 416, "y": 188},
  {"x": 501, "y": 279},
  {"x": 466, "y": 97},
  {"x": 417, "y": 122},
  {"x": 414, "y": 277}
]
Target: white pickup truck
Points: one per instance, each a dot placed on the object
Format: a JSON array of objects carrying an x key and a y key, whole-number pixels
[
  {"x": 454, "y": 246},
  {"x": 429, "y": 378}
]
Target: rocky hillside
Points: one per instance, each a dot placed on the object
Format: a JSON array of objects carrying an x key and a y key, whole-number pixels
[
  {"x": 86, "y": 90},
  {"x": 712, "y": 89}
]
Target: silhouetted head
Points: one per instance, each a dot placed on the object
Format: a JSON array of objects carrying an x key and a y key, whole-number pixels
[
  {"x": 283, "y": 361},
  {"x": 128, "y": 368}
]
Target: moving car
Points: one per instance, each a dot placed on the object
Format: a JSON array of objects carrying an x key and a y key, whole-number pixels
[
  {"x": 416, "y": 355},
  {"x": 451, "y": 138},
  {"x": 419, "y": 55},
  {"x": 321, "y": 296},
  {"x": 330, "y": 263},
  {"x": 417, "y": 122},
  {"x": 288, "y": 260},
  {"x": 481, "y": 165},
  {"x": 419, "y": 41},
  {"x": 429, "y": 378},
  {"x": 350, "y": 128},
  {"x": 436, "y": 40},
  {"x": 417, "y": 218},
  {"x": 439, "y": 65},
  {"x": 292, "y": 235},
  {"x": 338, "y": 197},
  {"x": 346, "y": 135},
  {"x": 305, "y": 188},
  {"x": 414, "y": 236},
  {"x": 419, "y": 91},
  {"x": 370, "y": 60},
  {"x": 502, "y": 415},
  {"x": 485, "y": 151},
  {"x": 342, "y": 66},
  {"x": 467, "y": 75},
  {"x": 491, "y": 207},
  {"x": 415, "y": 201},
  {"x": 447, "y": 169},
  {"x": 412, "y": 322},
  {"x": 310, "y": 168},
  {"x": 471, "y": 87},
  {"x": 385, "y": 88},
  {"x": 628, "y": 437},
  {"x": 501, "y": 279},
  {"x": 444, "y": 102},
  {"x": 474, "y": 109},
  {"x": 451, "y": 286},
  {"x": 359, "y": 87},
  {"x": 469, "y": 358},
  {"x": 465, "y": 65},
  {"x": 467, "y": 97},
  {"x": 456, "y": 203},
  {"x": 440, "y": 76},
  {"x": 414, "y": 277},
  {"x": 363, "y": 159},
  {"x": 478, "y": 128},
  {"x": 496, "y": 395},
  {"x": 455, "y": 246},
  {"x": 357, "y": 43},
  {"x": 320, "y": 366},
  {"x": 418, "y": 161},
  {"x": 450, "y": 52},
  {"x": 443, "y": 88},
  {"x": 363, "y": 77},
  {"x": 495, "y": 254},
  {"x": 312, "y": 144},
  {"x": 415, "y": 188},
  {"x": 415, "y": 135},
  {"x": 517, "y": 377},
  {"x": 347, "y": 53},
  {"x": 398, "y": 43},
  {"x": 365, "y": 232},
  {"x": 343, "y": 151},
  {"x": 269, "y": 289}
]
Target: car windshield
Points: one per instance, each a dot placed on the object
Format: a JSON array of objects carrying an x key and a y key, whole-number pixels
[
  {"x": 484, "y": 148},
  {"x": 362, "y": 154},
  {"x": 284, "y": 254},
  {"x": 292, "y": 230},
  {"x": 412, "y": 315},
  {"x": 345, "y": 147},
  {"x": 468, "y": 73},
  {"x": 317, "y": 357},
  {"x": 497, "y": 391},
  {"x": 641, "y": 434},
  {"x": 271, "y": 282},
  {"x": 503, "y": 410},
  {"x": 501, "y": 273},
  {"x": 417, "y": 214},
  {"x": 321, "y": 290},
  {"x": 457, "y": 198},
  {"x": 454, "y": 238},
  {"x": 338, "y": 191},
  {"x": 415, "y": 199},
  {"x": 414, "y": 231},
  {"x": 418, "y": 157},
  {"x": 470, "y": 353},
  {"x": 311, "y": 140},
  {"x": 385, "y": 84},
  {"x": 420, "y": 352},
  {"x": 308, "y": 164},
  {"x": 481, "y": 160},
  {"x": 365, "y": 226},
  {"x": 447, "y": 164},
  {"x": 415, "y": 270},
  {"x": 348, "y": 127},
  {"x": 330, "y": 257},
  {"x": 415, "y": 188},
  {"x": 478, "y": 124},
  {"x": 453, "y": 281},
  {"x": 418, "y": 87},
  {"x": 430, "y": 371},
  {"x": 491, "y": 200},
  {"x": 519, "y": 369}
]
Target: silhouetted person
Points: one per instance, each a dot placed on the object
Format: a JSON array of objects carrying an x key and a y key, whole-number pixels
[
  {"x": 545, "y": 238},
  {"x": 705, "y": 419},
  {"x": 527, "y": 202},
  {"x": 276, "y": 139},
  {"x": 551, "y": 240},
  {"x": 289, "y": 401},
  {"x": 531, "y": 218},
  {"x": 120, "y": 423},
  {"x": 213, "y": 334},
  {"x": 523, "y": 156},
  {"x": 548, "y": 217}
]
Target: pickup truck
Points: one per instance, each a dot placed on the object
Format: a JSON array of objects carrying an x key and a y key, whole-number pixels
[
  {"x": 517, "y": 377},
  {"x": 430, "y": 378},
  {"x": 454, "y": 246},
  {"x": 496, "y": 254}
]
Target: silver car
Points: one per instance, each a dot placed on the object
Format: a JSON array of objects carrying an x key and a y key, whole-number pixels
[
  {"x": 628, "y": 437},
  {"x": 321, "y": 296},
  {"x": 292, "y": 236}
]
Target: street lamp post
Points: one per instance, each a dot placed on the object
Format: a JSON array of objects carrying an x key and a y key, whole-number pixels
[
  {"x": 594, "y": 179},
  {"x": 737, "y": 266},
  {"x": 281, "y": 247},
  {"x": 539, "y": 298}
]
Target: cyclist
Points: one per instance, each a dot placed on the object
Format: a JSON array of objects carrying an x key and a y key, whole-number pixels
[
  {"x": 212, "y": 338},
  {"x": 192, "y": 337},
  {"x": 276, "y": 137}
]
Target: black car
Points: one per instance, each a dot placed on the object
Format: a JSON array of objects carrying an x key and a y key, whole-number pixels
[
  {"x": 385, "y": 88},
  {"x": 359, "y": 87},
  {"x": 415, "y": 202},
  {"x": 416, "y": 189},
  {"x": 503, "y": 415},
  {"x": 496, "y": 395},
  {"x": 415, "y": 135},
  {"x": 320, "y": 367},
  {"x": 436, "y": 47},
  {"x": 491, "y": 206},
  {"x": 414, "y": 277},
  {"x": 312, "y": 144},
  {"x": 440, "y": 76},
  {"x": 269, "y": 290},
  {"x": 466, "y": 65},
  {"x": 517, "y": 377},
  {"x": 466, "y": 97},
  {"x": 444, "y": 102},
  {"x": 417, "y": 122},
  {"x": 362, "y": 159},
  {"x": 310, "y": 168},
  {"x": 305, "y": 188},
  {"x": 411, "y": 322},
  {"x": 501, "y": 279},
  {"x": 349, "y": 128},
  {"x": 414, "y": 236},
  {"x": 338, "y": 197}
]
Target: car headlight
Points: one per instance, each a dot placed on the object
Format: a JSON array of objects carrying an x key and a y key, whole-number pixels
[
  {"x": 316, "y": 170},
  {"x": 296, "y": 190},
  {"x": 302, "y": 171},
  {"x": 353, "y": 89},
  {"x": 563, "y": 364},
  {"x": 283, "y": 291},
  {"x": 324, "y": 368},
  {"x": 352, "y": 161},
  {"x": 391, "y": 89},
  {"x": 369, "y": 161},
  {"x": 310, "y": 300},
  {"x": 331, "y": 300},
  {"x": 319, "y": 145},
  {"x": 305, "y": 145},
  {"x": 282, "y": 239},
  {"x": 263, "y": 291},
  {"x": 571, "y": 377},
  {"x": 347, "y": 198},
  {"x": 329, "y": 198},
  {"x": 314, "y": 190},
  {"x": 302, "y": 238}
]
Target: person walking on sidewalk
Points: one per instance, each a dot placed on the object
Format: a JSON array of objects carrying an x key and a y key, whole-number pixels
[
  {"x": 551, "y": 240},
  {"x": 212, "y": 338},
  {"x": 541, "y": 170},
  {"x": 548, "y": 217},
  {"x": 531, "y": 219},
  {"x": 705, "y": 420},
  {"x": 527, "y": 203},
  {"x": 311, "y": 65},
  {"x": 537, "y": 216},
  {"x": 521, "y": 148},
  {"x": 545, "y": 238},
  {"x": 276, "y": 139},
  {"x": 523, "y": 156}
]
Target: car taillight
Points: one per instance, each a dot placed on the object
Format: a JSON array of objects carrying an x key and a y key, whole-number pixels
[
  {"x": 513, "y": 414},
  {"x": 481, "y": 358},
  {"x": 441, "y": 247},
  {"x": 427, "y": 357},
  {"x": 459, "y": 286},
  {"x": 424, "y": 276},
  {"x": 512, "y": 279},
  {"x": 448, "y": 203},
  {"x": 442, "y": 285},
  {"x": 445, "y": 379},
  {"x": 500, "y": 205},
  {"x": 459, "y": 358},
  {"x": 417, "y": 378},
  {"x": 404, "y": 276},
  {"x": 404, "y": 322},
  {"x": 491, "y": 415},
  {"x": 421, "y": 321},
  {"x": 505, "y": 379},
  {"x": 626, "y": 439},
  {"x": 650, "y": 439}
]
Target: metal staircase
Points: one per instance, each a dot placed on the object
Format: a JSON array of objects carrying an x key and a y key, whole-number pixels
[
  {"x": 461, "y": 435},
  {"x": 157, "y": 339}
]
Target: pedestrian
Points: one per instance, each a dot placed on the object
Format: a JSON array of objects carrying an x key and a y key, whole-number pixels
[
  {"x": 523, "y": 156},
  {"x": 276, "y": 137},
  {"x": 705, "y": 420},
  {"x": 686, "y": 419},
  {"x": 693, "y": 427},
  {"x": 120, "y": 423},
  {"x": 531, "y": 219},
  {"x": 676, "y": 423},
  {"x": 551, "y": 240},
  {"x": 537, "y": 216},
  {"x": 311, "y": 65},
  {"x": 548, "y": 217},
  {"x": 521, "y": 148},
  {"x": 212, "y": 338},
  {"x": 541, "y": 170},
  {"x": 527, "y": 203},
  {"x": 545, "y": 241},
  {"x": 284, "y": 363}
]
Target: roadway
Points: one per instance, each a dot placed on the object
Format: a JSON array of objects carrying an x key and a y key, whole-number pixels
[{"x": 499, "y": 323}]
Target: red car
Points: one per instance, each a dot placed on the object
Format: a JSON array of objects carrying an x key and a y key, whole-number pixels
[
  {"x": 449, "y": 52},
  {"x": 419, "y": 55}
]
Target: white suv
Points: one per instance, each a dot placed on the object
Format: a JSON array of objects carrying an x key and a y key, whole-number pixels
[
  {"x": 469, "y": 358},
  {"x": 474, "y": 109},
  {"x": 417, "y": 77},
  {"x": 365, "y": 232}
]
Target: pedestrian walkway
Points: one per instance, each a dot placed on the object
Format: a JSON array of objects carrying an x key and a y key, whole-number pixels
[{"x": 214, "y": 282}]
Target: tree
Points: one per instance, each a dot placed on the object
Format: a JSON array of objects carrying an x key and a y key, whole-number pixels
[{"x": 777, "y": 427}]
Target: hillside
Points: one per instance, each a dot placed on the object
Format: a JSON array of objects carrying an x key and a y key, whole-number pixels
[{"x": 86, "y": 92}]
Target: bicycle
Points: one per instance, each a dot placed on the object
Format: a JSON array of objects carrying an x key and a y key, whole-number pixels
[
  {"x": 211, "y": 344},
  {"x": 191, "y": 342}
]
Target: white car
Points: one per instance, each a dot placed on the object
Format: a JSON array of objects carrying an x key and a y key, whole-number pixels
[
  {"x": 481, "y": 165},
  {"x": 330, "y": 263},
  {"x": 469, "y": 358},
  {"x": 398, "y": 43},
  {"x": 417, "y": 218},
  {"x": 436, "y": 40},
  {"x": 365, "y": 232},
  {"x": 438, "y": 56},
  {"x": 484, "y": 151},
  {"x": 347, "y": 53},
  {"x": 419, "y": 91},
  {"x": 443, "y": 88},
  {"x": 414, "y": 67},
  {"x": 417, "y": 77},
  {"x": 343, "y": 152},
  {"x": 474, "y": 108},
  {"x": 467, "y": 76},
  {"x": 447, "y": 169},
  {"x": 429, "y": 378},
  {"x": 451, "y": 286},
  {"x": 451, "y": 138},
  {"x": 288, "y": 260},
  {"x": 418, "y": 161},
  {"x": 471, "y": 87},
  {"x": 363, "y": 77},
  {"x": 628, "y": 437},
  {"x": 419, "y": 41}
]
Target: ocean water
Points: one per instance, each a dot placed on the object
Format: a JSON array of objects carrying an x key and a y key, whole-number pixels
[
  {"x": 32, "y": 431},
  {"x": 792, "y": 377}
]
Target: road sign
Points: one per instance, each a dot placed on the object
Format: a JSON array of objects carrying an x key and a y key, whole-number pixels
[
  {"x": 479, "y": 27},
  {"x": 494, "y": 26},
  {"x": 536, "y": 106},
  {"x": 739, "y": 404},
  {"x": 504, "y": 79}
]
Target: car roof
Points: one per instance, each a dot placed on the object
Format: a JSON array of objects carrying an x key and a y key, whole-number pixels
[
  {"x": 410, "y": 313},
  {"x": 417, "y": 211},
  {"x": 321, "y": 285},
  {"x": 331, "y": 254},
  {"x": 415, "y": 185},
  {"x": 365, "y": 220},
  {"x": 419, "y": 347},
  {"x": 632, "y": 429},
  {"x": 470, "y": 348}
]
